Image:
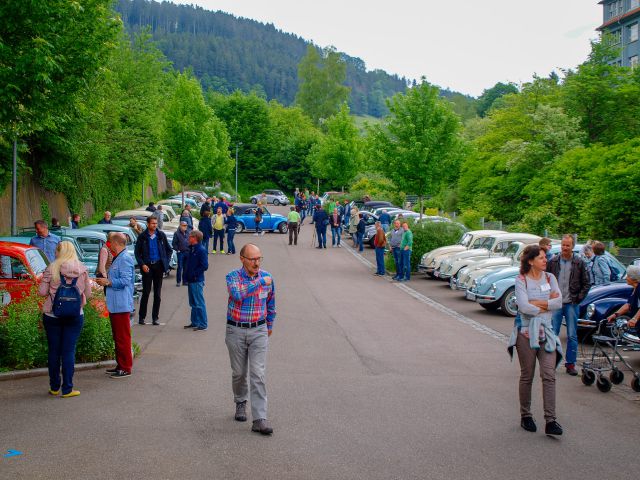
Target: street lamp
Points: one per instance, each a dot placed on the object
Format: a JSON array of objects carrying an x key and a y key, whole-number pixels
[{"x": 237, "y": 145}]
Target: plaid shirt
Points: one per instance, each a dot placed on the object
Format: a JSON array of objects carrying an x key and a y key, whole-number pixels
[{"x": 250, "y": 299}]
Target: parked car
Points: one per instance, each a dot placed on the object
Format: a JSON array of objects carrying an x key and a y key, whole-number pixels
[
  {"x": 600, "y": 302},
  {"x": 369, "y": 227},
  {"x": 327, "y": 196},
  {"x": 21, "y": 268},
  {"x": 276, "y": 197},
  {"x": 169, "y": 223},
  {"x": 107, "y": 228},
  {"x": 245, "y": 213},
  {"x": 430, "y": 261},
  {"x": 187, "y": 201},
  {"x": 371, "y": 205},
  {"x": 90, "y": 242}
]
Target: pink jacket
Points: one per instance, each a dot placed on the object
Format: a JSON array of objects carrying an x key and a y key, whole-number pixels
[{"x": 49, "y": 286}]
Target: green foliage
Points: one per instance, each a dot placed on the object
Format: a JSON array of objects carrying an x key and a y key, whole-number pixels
[
  {"x": 377, "y": 186},
  {"x": 426, "y": 237},
  {"x": 491, "y": 95},
  {"x": 96, "y": 340},
  {"x": 321, "y": 75}
]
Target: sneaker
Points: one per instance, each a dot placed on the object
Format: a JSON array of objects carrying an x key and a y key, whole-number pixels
[
  {"x": 189, "y": 326},
  {"x": 553, "y": 428},
  {"x": 339, "y": 246},
  {"x": 214, "y": 252},
  {"x": 72, "y": 393},
  {"x": 528, "y": 424},
  {"x": 110, "y": 371},
  {"x": 199, "y": 329},
  {"x": 120, "y": 374},
  {"x": 241, "y": 411},
  {"x": 177, "y": 284},
  {"x": 571, "y": 369},
  {"x": 261, "y": 234},
  {"x": 141, "y": 322},
  {"x": 255, "y": 234},
  {"x": 55, "y": 393},
  {"x": 222, "y": 252},
  {"x": 262, "y": 426},
  {"x": 155, "y": 322}
]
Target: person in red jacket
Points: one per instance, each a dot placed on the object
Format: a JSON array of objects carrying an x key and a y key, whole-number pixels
[{"x": 380, "y": 242}]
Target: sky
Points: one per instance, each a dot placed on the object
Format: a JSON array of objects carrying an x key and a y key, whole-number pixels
[{"x": 464, "y": 45}]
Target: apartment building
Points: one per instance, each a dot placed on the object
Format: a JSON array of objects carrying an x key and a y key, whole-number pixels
[{"x": 621, "y": 19}]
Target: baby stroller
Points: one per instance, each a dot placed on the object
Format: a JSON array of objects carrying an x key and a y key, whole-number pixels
[{"x": 605, "y": 354}]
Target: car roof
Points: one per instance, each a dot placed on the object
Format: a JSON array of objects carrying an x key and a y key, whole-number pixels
[
  {"x": 486, "y": 232},
  {"x": 107, "y": 226},
  {"x": 22, "y": 242},
  {"x": 519, "y": 237}
]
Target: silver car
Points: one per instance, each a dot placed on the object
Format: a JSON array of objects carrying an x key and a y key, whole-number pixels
[{"x": 276, "y": 197}]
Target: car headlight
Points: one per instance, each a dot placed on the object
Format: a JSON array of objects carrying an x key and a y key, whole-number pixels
[
  {"x": 474, "y": 285},
  {"x": 493, "y": 289},
  {"x": 591, "y": 309}
]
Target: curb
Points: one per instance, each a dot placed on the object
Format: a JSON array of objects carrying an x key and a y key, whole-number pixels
[{"x": 38, "y": 372}]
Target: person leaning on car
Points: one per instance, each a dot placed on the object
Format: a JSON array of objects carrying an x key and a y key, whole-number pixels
[
  {"x": 573, "y": 278},
  {"x": 632, "y": 307}
]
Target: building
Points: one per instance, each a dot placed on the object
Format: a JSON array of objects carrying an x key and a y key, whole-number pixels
[{"x": 620, "y": 19}]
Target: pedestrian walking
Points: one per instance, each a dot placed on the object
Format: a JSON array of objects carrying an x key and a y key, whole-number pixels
[
  {"x": 232, "y": 223},
  {"x": 180, "y": 244},
  {"x": 44, "y": 240},
  {"x": 406, "y": 245},
  {"x": 206, "y": 227},
  {"x": 360, "y": 229},
  {"x": 119, "y": 293},
  {"x": 106, "y": 219},
  {"x": 218, "y": 230},
  {"x": 599, "y": 265},
  {"x": 346, "y": 214},
  {"x": 311, "y": 205},
  {"x": 197, "y": 264},
  {"x": 394, "y": 244},
  {"x": 335, "y": 221},
  {"x": 251, "y": 313},
  {"x": 573, "y": 278},
  {"x": 534, "y": 338},
  {"x": 152, "y": 254},
  {"x": 258, "y": 219},
  {"x": 293, "y": 222},
  {"x": 66, "y": 286},
  {"x": 380, "y": 242},
  {"x": 304, "y": 205},
  {"x": 321, "y": 221},
  {"x": 159, "y": 214}
]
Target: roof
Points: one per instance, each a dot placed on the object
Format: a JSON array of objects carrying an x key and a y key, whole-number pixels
[
  {"x": 14, "y": 245},
  {"x": 625, "y": 16}
]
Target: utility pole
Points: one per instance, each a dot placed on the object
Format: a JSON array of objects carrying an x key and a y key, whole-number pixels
[
  {"x": 237, "y": 145},
  {"x": 14, "y": 189}
]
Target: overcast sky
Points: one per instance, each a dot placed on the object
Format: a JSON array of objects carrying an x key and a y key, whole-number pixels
[{"x": 465, "y": 45}]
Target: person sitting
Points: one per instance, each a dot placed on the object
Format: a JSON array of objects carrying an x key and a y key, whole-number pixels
[{"x": 631, "y": 307}]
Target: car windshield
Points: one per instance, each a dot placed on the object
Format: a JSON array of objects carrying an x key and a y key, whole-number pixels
[
  {"x": 265, "y": 211},
  {"x": 512, "y": 250},
  {"x": 484, "y": 242},
  {"x": 37, "y": 260},
  {"x": 465, "y": 240}
]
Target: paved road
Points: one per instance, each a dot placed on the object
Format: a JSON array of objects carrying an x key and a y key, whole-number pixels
[{"x": 365, "y": 381}]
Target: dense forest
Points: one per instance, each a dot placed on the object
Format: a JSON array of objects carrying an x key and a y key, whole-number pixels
[{"x": 228, "y": 53}]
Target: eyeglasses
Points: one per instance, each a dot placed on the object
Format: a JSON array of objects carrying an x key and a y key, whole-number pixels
[{"x": 254, "y": 260}]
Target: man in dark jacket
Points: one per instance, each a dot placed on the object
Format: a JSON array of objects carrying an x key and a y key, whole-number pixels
[
  {"x": 153, "y": 253},
  {"x": 321, "y": 220},
  {"x": 573, "y": 280},
  {"x": 151, "y": 207},
  {"x": 106, "y": 219},
  {"x": 197, "y": 264},
  {"x": 206, "y": 206},
  {"x": 180, "y": 244},
  {"x": 335, "y": 220},
  {"x": 360, "y": 233}
]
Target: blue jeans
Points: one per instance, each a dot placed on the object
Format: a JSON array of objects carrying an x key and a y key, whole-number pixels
[
  {"x": 303, "y": 215},
  {"x": 231, "y": 247},
  {"x": 570, "y": 313},
  {"x": 406, "y": 264},
  {"x": 335, "y": 235},
  {"x": 346, "y": 221},
  {"x": 62, "y": 338},
  {"x": 397, "y": 259},
  {"x": 258, "y": 229},
  {"x": 385, "y": 227},
  {"x": 218, "y": 235},
  {"x": 198, "y": 307},
  {"x": 322, "y": 236},
  {"x": 182, "y": 259},
  {"x": 360, "y": 241},
  {"x": 205, "y": 243},
  {"x": 380, "y": 260}
]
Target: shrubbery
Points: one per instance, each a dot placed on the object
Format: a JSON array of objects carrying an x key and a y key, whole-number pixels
[
  {"x": 426, "y": 237},
  {"x": 23, "y": 342}
]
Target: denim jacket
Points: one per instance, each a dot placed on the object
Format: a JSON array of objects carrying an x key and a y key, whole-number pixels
[{"x": 121, "y": 276}]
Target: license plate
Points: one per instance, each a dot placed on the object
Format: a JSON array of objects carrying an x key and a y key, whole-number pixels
[{"x": 470, "y": 296}]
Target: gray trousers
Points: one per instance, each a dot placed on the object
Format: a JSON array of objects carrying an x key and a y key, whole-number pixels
[
  {"x": 547, "y": 360},
  {"x": 248, "y": 354}
]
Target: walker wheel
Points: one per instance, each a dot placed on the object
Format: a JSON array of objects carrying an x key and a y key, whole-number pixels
[
  {"x": 635, "y": 384},
  {"x": 588, "y": 377},
  {"x": 603, "y": 384},
  {"x": 616, "y": 377}
]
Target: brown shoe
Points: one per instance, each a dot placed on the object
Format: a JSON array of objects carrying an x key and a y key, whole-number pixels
[
  {"x": 571, "y": 369},
  {"x": 241, "y": 411},
  {"x": 262, "y": 426}
]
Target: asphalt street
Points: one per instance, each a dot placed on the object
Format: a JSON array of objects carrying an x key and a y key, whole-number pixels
[{"x": 366, "y": 379}]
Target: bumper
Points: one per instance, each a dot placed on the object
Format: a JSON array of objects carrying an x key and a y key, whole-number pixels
[{"x": 485, "y": 298}]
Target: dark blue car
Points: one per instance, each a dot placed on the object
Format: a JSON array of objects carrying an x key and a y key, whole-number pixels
[{"x": 600, "y": 302}]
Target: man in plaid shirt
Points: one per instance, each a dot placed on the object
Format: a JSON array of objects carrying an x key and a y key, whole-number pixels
[{"x": 250, "y": 316}]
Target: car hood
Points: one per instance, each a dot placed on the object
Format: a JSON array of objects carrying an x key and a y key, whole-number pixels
[
  {"x": 501, "y": 274},
  {"x": 476, "y": 252},
  {"x": 611, "y": 290},
  {"x": 489, "y": 262},
  {"x": 448, "y": 250}
]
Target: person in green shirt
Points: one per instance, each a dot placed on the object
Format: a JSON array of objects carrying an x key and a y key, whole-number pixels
[
  {"x": 406, "y": 245},
  {"x": 293, "y": 220}
]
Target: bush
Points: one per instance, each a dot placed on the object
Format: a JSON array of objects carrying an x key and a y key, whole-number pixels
[{"x": 426, "y": 237}]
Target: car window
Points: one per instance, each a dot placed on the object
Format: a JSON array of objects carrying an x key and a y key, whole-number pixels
[
  {"x": 501, "y": 247},
  {"x": 37, "y": 260},
  {"x": 465, "y": 240},
  {"x": 265, "y": 211},
  {"x": 513, "y": 249},
  {"x": 10, "y": 267}
]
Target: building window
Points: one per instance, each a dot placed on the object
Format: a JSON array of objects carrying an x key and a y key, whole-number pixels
[
  {"x": 633, "y": 61},
  {"x": 615, "y": 37},
  {"x": 634, "y": 4},
  {"x": 615, "y": 8},
  {"x": 633, "y": 32}
]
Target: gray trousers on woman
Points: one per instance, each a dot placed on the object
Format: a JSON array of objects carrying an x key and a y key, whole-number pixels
[
  {"x": 248, "y": 353},
  {"x": 527, "y": 358}
]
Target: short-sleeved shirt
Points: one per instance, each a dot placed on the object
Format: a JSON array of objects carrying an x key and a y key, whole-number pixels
[
  {"x": 634, "y": 302},
  {"x": 293, "y": 217}
]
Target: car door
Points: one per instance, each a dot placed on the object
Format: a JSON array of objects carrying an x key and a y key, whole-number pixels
[
  {"x": 15, "y": 278},
  {"x": 248, "y": 218}
]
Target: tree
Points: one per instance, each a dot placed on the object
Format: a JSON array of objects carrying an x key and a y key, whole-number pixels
[
  {"x": 489, "y": 96},
  {"x": 321, "y": 76},
  {"x": 419, "y": 143},
  {"x": 338, "y": 156},
  {"x": 196, "y": 144}
]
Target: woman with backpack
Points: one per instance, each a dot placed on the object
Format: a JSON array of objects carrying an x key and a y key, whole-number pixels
[
  {"x": 600, "y": 268},
  {"x": 65, "y": 284}
]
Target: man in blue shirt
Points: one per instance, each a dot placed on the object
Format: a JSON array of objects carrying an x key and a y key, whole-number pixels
[
  {"x": 197, "y": 264},
  {"x": 385, "y": 221},
  {"x": 45, "y": 241}
]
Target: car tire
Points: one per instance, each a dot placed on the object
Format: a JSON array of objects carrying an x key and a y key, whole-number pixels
[
  {"x": 492, "y": 307},
  {"x": 240, "y": 227},
  {"x": 508, "y": 304},
  {"x": 283, "y": 227},
  {"x": 254, "y": 200},
  {"x": 276, "y": 202}
]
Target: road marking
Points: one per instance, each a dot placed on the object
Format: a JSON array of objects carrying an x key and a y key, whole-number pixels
[
  {"x": 12, "y": 453},
  {"x": 437, "y": 305}
]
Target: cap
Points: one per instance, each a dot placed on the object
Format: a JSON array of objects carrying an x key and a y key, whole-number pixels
[{"x": 183, "y": 222}]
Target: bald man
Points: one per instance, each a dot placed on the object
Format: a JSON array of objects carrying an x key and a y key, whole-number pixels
[{"x": 251, "y": 313}]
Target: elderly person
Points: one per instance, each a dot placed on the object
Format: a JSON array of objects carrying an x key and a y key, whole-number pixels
[
  {"x": 533, "y": 336},
  {"x": 353, "y": 226},
  {"x": 631, "y": 308},
  {"x": 119, "y": 292},
  {"x": 105, "y": 258},
  {"x": 45, "y": 241},
  {"x": 63, "y": 331},
  {"x": 600, "y": 269},
  {"x": 187, "y": 217},
  {"x": 106, "y": 219},
  {"x": 159, "y": 214}
]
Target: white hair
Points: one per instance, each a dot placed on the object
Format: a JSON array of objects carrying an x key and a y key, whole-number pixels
[{"x": 633, "y": 272}]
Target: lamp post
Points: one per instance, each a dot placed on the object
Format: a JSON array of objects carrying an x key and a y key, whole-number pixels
[{"x": 237, "y": 146}]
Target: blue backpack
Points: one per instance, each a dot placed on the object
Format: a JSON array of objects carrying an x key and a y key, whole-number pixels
[{"x": 67, "y": 301}]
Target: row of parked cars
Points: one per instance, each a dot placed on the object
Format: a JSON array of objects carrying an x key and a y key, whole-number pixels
[{"x": 484, "y": 264}]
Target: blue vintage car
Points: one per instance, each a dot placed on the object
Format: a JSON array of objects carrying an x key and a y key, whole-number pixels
[
  {"x": 601, "y": 302},
  {"x": 246, "y": 212}
]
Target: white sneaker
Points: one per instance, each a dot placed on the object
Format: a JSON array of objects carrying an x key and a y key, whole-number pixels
[
  {"x": 255, "y": 234},
  {"x": 339, "y": 246},
  {"x": 262, "y": 233}
]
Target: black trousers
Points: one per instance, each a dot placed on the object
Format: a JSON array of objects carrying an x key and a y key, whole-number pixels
[
  {"x": 293, "y": 232},
  {"x": 153, "y": 276}
]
